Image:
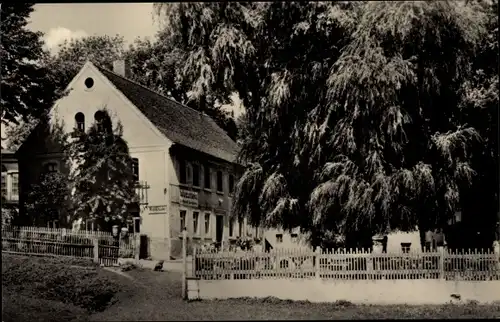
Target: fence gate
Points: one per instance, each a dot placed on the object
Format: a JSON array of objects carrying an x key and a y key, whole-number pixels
[{"x": 108, "y": 254}]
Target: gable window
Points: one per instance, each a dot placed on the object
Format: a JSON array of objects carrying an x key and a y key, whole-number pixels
[
  {"x": 231, "y": 183},
  {"x": 80, "y": 121},
  {"x": 182, "y": 172},
  {"x": 279, "y": 238},
  {"x": 99, "y": 120},
  {"x": 207, "y": 180},
  {"x": 196, "y": 175},
  {"x": 196, "y": 217},
  {"x": 207, "y": 224},
  {"x": 294, "y": 237},
  {"x": 219, "y": 181},
  {"x": 135, "y": 168},
  {"x": 182, "y": 219},
  {"x": 89, "y": 82}
]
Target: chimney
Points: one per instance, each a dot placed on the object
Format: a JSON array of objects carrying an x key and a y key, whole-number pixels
[{"x": 122, "y": 68}]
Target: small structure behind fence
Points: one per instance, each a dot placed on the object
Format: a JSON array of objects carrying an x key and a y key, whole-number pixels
[
  {"x": 347, "y": 265},
  {"x": 95, "y": 245}
]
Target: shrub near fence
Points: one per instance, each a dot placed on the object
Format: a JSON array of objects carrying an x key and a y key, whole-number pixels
[{"x": 346, "y": 265}]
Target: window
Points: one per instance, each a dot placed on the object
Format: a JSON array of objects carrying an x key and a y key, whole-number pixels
[
  {"x": 231, "y": 227},
  {"x": 189, "y": 173},
  {"x": 207, "y": 224},
  {"x": 219, "y": 181},
  {"x": 99, "y": 119},
  {"x": 135, "y": 168},
  {"x": 405, "y": 247},
  {"x": 279, "y": 238},
  {"x": 4, "y": 184},
  {"x": 80, "y": 121},
  {"x": 15, "y": 186},
  {"x": 53, "y": 224},
  {"x": 89, "y": 82},
  {"x": 196, "y": 216},
  {"x": 231, "y": 183},
  {"x": 295, "y": 237},
  {"x": 182, "y": 172},
  {"x": 196, "y": 175},
  {"x": 183, "y": 219},
  {"x": 240, "y": 227},
  {"x": 207, "y": 177},
  {"x": 50, "y": 167},
  {"x": 136, "y": 217}
]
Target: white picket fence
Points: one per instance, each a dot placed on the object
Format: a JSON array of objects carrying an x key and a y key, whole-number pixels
[
  {"x": 347, "y": 265},
  {"x": 97, "y": 245}
]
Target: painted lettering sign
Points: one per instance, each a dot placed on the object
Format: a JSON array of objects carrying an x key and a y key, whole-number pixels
[
  {"x": 219, "y": 211},
  {"x": 189, "y": 198},
  {"x": 157, "y": 209}
]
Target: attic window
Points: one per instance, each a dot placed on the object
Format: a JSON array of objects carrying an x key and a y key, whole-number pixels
[
  {"x": 89, "y": 82},
  {"x": 99, "y": 118},
  {"x": 80, "y": 121}
]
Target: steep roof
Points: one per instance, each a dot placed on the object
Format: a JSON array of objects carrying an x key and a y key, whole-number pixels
[{"x": 179, "y": 123}]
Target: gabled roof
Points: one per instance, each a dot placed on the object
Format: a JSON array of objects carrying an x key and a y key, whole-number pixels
[{"x": 179, "y": 123}]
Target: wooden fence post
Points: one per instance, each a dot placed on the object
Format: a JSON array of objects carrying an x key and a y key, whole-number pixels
[
  {"x": 441, "y": 262},
  {"x": 137, "y": 247},
  {"x": 96, "y": 250},
  {"x": 496, "y": 251},
  {"x": 317, "y": 253},
  {"x": 184, "y": 264},
  {"x": 369, "y": 266}
]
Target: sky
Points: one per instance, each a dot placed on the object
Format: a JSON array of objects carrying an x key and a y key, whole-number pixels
[{"x": 75, "y": 20}]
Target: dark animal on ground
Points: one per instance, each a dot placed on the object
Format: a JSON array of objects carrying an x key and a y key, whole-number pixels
[{"x": 159, "y": 266}]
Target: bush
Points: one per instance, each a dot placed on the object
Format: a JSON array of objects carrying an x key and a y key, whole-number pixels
[{"x": 55, "y": 279}]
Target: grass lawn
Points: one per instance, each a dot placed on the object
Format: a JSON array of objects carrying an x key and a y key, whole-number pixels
[{"x": 149, "y": 295}]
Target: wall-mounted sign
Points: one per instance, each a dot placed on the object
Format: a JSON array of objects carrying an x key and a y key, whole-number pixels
[
  {"x": 157, "y": 209},
  {"x": 189, "y": 198},
  {"x": 219, "y": 211}
]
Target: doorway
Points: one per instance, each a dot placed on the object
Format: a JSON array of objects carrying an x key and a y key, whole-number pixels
[{"x": 219, "y": 228}]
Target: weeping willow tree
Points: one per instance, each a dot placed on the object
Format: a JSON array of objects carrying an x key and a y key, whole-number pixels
[{"x": 353, "y": 118}]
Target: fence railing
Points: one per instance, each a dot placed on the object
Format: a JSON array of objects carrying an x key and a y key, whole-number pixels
[
  {"x": 98, "y": 246},
  {"x": 347, "y": 265}
]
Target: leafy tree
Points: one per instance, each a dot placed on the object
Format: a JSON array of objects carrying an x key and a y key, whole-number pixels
[
  {"x": 159, "y": 65},
  {"x": 16, "y": 134},
  {"x": 72, "y": 54},
  {"x": 479, "y": 108},
  {"x": 27, "y": 87},
  {"x": 101, "y": 175},
  {"x": 354, "y": 125},
  {"x": 48, "y": 199}
]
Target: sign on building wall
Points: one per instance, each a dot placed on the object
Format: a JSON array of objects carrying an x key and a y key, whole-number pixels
[
  {"x": 157, "y": 209},
  {"x": 189, "y": 198},
  {"x": 219, "y": 211}
]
